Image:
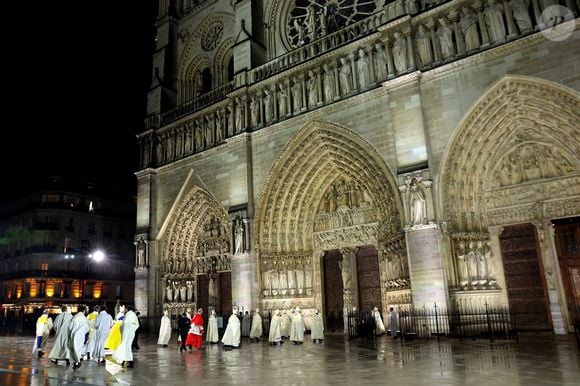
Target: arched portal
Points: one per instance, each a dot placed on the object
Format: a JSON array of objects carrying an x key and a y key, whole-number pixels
[
  {"x": 327, "y": 190},
  {"x": 514, "y": 159},
  {"x": 196, "y": 254}
]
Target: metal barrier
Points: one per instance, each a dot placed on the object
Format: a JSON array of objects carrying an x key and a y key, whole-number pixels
[{"x": 361, "y": 324}]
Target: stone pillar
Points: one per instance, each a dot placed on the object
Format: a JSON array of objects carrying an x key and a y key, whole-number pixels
[
  {"x": 494, "y": 244},
  {"x": 349, "y": 281},
  {"x": 242, "y": 282},
  {"x": 317, "y": 280},
  {"x": 552, "y": 275},
  {"x": 426, "y": 268}
]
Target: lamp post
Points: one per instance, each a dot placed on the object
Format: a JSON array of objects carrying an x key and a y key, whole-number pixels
[{"x": 96, "y": 256}]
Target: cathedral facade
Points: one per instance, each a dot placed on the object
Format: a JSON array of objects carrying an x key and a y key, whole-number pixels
[{"x": 347, "y": 154}]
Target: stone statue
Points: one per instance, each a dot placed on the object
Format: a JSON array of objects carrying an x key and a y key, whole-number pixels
[
  {"x": 400, "y": 53},
  {"x": 239, "y": 233},
  {"x": 254, "y": 111},
  {"x": 469, "y": 28},
  {"x": 209, "y": 129},
  {"x": 494, "y": 21},
  {"x": 300, "y": 277},
  {"x": 362, "y": 65},
  {"x": 188, "y": 140},
  {"x": 322, "y": 20},
  {"x": 380, "y": 60},
  {"x": 411, "y": 6},
  {"x": 521, "y": 15},
  {"x": 329, "y": 81},
  {"x": 445, "y": 34},
  {"x": 219, "y": 129},
  {"x": 239, "y": 116},
  {"x": 417, "y": 202},
  {"x": 297, "y": 95},
  {"x": 312, "y": 84},
  {"x": 169, "y": 291},
  {"x": 189, "y": 286},
  {"x": 424, "y": 46},
  {"x": 345, "y": 269},
  {"x": 267, "y": 105},
  {"x": 462, "y": 264},
  {"x": 282, "y": 100},
  {"x": 212, "y": 289},
  {"x": 141, "y": 247},
  {"x": 183, "y": 293},
  {"x": 299, "y": 32},
  {"x": 310, "y": 21},
  {"x": 159, "y": 150},
  {"x": 551, "y": 12},
  {"x": 345, "y": 76},
  {"x": 169, "y": 152},
  {"x": 266, "y": 284},
  {"x": 198, "y": 136}
]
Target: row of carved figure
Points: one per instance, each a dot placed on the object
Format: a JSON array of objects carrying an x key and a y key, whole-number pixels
[
  {"x": 180, "y": 291},
  {"x": 475, "y": 263},
  {"x": 183, "y": 265},
  {"x": 453, "y": 35}
]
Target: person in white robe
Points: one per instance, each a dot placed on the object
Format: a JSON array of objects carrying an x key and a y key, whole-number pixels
[
  {"x": 212, "y": 328},
  {"x": 275, "y": 337},
  {"x": 316, "y": 327},
  {"x": 297, "y": 327},
  {"x": 43, "y": 327},
  {"x": 60, "y": 350},
  {"x": 394, "y": 322},
  {"x": 103, "y": 326},
  {"x": 92, "y": 317},
  {"x": 380, "y": 326},
  {"x": 246, "y": 324},
  {"x": 164, "y": 330},
  {"x": 124, "y": 353},
  {"x": 233, "y": 331},
  {"x": 78, "y": 330},
  {"x": 256, "y": 330}
]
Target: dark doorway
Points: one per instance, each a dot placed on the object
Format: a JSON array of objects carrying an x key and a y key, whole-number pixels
[
  {"x": 333, "y": 300},
  {"x": 231, "y": 69},
  {"x": 225, "y": 295},
  {"x": 206, "y": 78},
  {"x": 568, "y": 246},
  {"x": 524, "y": 276},
  {"x": 369, "y": 279},
  {"x": 202, "y": 292}
]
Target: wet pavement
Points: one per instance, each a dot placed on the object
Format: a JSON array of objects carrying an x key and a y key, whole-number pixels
[{"x": 535, "y": 360}]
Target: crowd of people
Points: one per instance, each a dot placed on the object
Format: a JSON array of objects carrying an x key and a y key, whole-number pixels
[
  {"x": 87, "y": 335},
  {"x": 98, "y": 336}
]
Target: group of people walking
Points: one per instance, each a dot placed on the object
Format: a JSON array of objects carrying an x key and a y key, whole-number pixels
[{"x": 88, "y": 335}]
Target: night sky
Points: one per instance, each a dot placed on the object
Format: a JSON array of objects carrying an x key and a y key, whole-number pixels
[{"x": 76, "y": 76}]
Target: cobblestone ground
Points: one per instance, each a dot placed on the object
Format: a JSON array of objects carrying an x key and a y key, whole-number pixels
[{"x": 535, "y": 360}]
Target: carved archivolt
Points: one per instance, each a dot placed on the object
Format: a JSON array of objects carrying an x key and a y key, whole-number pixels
[
  {"x": 520, "y": 141},
  {"x": 317, "y": 158},
  {"x": 197, "y": 228}
]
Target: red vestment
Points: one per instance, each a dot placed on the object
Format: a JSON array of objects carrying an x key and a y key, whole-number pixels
[{"x": 195, "y": 332}]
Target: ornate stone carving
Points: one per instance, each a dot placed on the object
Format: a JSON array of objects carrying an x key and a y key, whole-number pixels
[
  {"x": 212, "y": 36},
  {"x": 394, "y": 264},
  {"x": 417, "y": 200},
  {"x": 286, "y": 275},
  {"x": 474, "y": 261}
]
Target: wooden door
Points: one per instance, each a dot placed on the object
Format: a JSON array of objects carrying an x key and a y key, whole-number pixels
[
  {"x": 333, "y": 288},
  {"x": 225, "y": 295},
  {"x": 568, "y": 246},
  {"x": 369, "y": 278},
  {"x": 524, "y": 276}
]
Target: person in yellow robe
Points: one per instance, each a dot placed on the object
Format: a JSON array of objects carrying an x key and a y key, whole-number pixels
[{"x": 114, "y": 339}]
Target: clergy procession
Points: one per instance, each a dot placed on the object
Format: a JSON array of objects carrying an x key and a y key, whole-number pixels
[{"x": 100, "y": 337}]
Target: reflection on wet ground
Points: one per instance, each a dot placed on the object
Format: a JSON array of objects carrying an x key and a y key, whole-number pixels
[{"x": 535, "y": 360}]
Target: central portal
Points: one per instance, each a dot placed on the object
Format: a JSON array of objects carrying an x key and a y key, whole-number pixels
[{"x": 333, "y": 290}]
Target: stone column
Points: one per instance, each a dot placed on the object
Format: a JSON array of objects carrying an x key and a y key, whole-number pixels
[
  {"x": 545, "y": 232},
  {"x": 349, "y": 281},
  {"x": 317, "y": 279},
  {"x": 426, "y": 268}
]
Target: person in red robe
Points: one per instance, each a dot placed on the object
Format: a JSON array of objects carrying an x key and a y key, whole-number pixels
[{"x": 195, "y": 331}]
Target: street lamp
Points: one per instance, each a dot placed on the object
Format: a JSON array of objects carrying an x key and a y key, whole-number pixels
[{"x": 97, "y": 256}]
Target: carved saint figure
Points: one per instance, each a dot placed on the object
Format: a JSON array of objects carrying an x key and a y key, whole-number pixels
[
  {"x": 345, "y": 268},
  {"x": 141, "y": 252},
  {"x": 469, "y": 28},
  {"x": 345, "y": 76},
  {"x": 239, "y": 119},
  {"x": 297, "y": 95},
  {"x": 322, "y": 19},
  {"x": 169, "y": 291},
  {"x": 159, "y": 150},
  {"x": 254, "y": 110},
  {"x": 188, "y": 139},
  {"x": 362, "y": 65},
  {"x": 380, "y": 60},
  {"x": 282, "y": 100},
  {"x": 219, "y": 129},
  {"x": 462, "y": 264},
  {"x": 312, "y": 84},
  {"x": 310, "y": 21},
  {"x": 239, "y": 233},
  {"x": 189, "y": 286},
  {"x": 494, "y": 21},
  {"x": 551, "y": 12},
  {"x": 400, "y": 53},
  {"x": 299, "y": 32},
  {"x": 329, "y": 80},
  {"x": 424, "y": 46},
  {"x": 411, "y": 6},
  {"x": 445, "y": 34},
  {"x": 209, "y": 129},
  {"x": 183, "y": 292},
  {"x": 521, "y": 15},
  {"x": 198, "y": 136},
  {"x": 417, "y": 202},
  {"x": 267, "y": 105}
]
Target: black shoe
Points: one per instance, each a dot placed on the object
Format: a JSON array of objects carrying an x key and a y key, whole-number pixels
[
  {"x": 281, "y": 342},
  {"x": 67, "y": 362},
  {"x": 130, "y": 365},
  {"x": 40, "y": 354},
  {"x": 165, "y": 345},
  {"x": 102, "y": 362},
  {"x": 76, "y": 365}
]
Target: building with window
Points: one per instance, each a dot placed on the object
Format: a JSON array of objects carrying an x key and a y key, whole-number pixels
[
  {"x": 48, "y": 241},
  {"x": 349, "y": 154}
]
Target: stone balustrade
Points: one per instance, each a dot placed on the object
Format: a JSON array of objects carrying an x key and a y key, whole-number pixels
[{"x": 397, "y": 40}]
